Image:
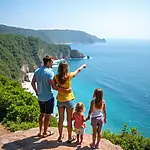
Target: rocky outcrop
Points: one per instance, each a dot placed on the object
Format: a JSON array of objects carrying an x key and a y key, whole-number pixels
[
  {"x": 27, "y": 140},
  {"x": 76, "y": 54},
  {"x": 25, "y": 70},
  {"x": 69, "y": 54},
  {"x": 24, "y": 77},
  {"x": 63, "y": 54},
  {"x": 103, "y": 40},
  {"x": 3, "y": 130}
]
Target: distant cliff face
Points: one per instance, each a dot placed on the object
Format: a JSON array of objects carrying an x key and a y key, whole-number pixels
[
  {"x": 76, "y": 54},
  {"x": 54, "y": 36},
  {"x": 20, "y": 54}
]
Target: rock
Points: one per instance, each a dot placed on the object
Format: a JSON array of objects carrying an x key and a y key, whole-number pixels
[
  {"x": 76, "y": 54},
  {"x": 103, "y": 40},
  {"x": 25, "y": 68},
  {"x": 27, "y": 140},
  {"x": 3, "y": 130},
  {"x": 24, "y": 77}
]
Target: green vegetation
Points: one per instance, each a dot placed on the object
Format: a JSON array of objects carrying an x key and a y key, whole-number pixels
[
  {"x": 129, "y": 139},
  {"x": 17, "y": 51},
  {"x": 53, "y": 36},
  {"x": 70, "y": 36},
  {"x": 19, "y": 110}
]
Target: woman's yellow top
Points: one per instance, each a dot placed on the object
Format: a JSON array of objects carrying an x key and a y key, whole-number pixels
[{"x": 62, "y": 96}]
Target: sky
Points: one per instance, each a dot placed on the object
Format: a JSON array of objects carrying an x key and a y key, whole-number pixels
[{"x": 103, "y": 18}]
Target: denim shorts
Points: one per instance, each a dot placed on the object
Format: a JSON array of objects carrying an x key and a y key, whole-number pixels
[
  {"x": 69, "y": 104},
  {"x": 47, "y": 106}
]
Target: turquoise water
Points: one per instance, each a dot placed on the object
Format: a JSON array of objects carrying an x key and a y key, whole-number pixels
[{"x": 121, "y": 69}]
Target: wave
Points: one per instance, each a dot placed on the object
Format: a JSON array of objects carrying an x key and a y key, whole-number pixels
[
  {"x": 55, "y": 66},
  {"x": 87, "y": 57},
  {"x": 58, "y": 60}
]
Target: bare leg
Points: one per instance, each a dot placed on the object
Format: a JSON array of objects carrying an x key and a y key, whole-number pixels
[
  {"x": 46, "y": 123},
  {"x": 41, "y": 123},
  {"x": 94, "y": 135},
  {"x": 99, "y": 134},
  {"x": 60, "y": 123},
  {"x": 81, "y": 137},
  {"x": 77, "y": 138},
  {"x": 69, "y": 123}
]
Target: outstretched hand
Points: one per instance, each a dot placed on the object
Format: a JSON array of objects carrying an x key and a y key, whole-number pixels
[{"x": 84, "y": 66}]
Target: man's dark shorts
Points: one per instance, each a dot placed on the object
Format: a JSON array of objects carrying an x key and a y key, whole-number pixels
[{"x": 47, "y": 106}]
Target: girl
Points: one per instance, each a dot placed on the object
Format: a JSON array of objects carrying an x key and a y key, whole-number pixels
[
  {"x": 98, "y": 111},
  {"x": 79, "y": 122},
  {"x": 65, "y": 100}
]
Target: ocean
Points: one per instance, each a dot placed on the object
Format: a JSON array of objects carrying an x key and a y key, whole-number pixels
[{"x": 121, "y": 68}]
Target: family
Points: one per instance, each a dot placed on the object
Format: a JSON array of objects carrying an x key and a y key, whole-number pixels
[{"x": 44, "y": 81}]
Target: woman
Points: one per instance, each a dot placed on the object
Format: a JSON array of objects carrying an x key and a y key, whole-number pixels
[{"x": 65, "y": 100}]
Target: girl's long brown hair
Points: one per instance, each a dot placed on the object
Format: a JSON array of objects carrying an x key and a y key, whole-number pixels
[
  {"x": 98, "y": 94},
  {"x": 62, "y": 72}
]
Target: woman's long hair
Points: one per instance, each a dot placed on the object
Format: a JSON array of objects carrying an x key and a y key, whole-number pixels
[
  {"x": 98, "y": 94},
  {"x": 62, "y": 72}
]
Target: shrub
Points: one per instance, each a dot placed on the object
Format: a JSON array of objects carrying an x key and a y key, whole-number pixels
[
  {"x": 19, "y": 110},
  {"x": 53, "y": 122},
  {"x": 129, "y": 139}
]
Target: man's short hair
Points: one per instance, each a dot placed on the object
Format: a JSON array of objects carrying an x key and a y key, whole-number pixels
[{"x": 47, "y": 59}]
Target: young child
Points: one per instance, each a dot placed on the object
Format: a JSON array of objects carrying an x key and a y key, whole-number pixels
[
  {"x": 79, "y": 122},
  {"x": 98, "y": 111}
]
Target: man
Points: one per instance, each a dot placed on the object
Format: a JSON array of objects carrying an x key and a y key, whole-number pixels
[{"x": 44, "y": 78}]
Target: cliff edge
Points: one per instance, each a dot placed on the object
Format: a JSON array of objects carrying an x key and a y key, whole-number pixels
[{"x": 27, "y": 140}]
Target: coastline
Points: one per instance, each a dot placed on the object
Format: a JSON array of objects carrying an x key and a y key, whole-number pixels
[{"x": 27, "y": 84}]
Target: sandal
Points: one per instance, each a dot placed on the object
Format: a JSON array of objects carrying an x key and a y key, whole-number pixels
[
  {"x": 77, "y": 142},
  {"x": 59, "y": 140},
  {"x": 97, "y": 146},
  {"x": 72, "y": 139},
  {"x": 80, "y": 144},
  {"x": 40, "y": 135},
  {"x": 92, "y": 146},
  {"x": 50, "y": 133}
]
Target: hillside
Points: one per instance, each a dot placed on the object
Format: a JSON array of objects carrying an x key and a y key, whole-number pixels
[
  {"x": 53, "y": 36},
  {"x": 70, "y": 36},
  {"x": 18, "y": 53}
]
